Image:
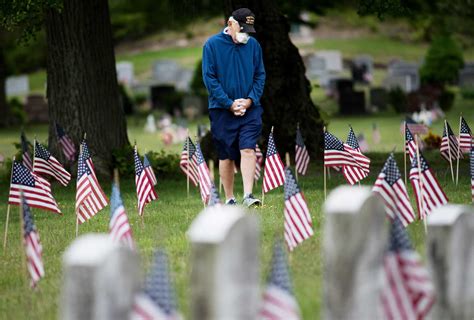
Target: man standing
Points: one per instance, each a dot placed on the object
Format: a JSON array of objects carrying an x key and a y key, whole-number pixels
[{"x": 234, "y": 75}]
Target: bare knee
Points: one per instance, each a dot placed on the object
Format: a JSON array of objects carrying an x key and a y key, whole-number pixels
[{"x": 247, "y": 153}]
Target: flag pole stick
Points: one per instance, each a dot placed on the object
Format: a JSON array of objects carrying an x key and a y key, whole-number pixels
[
  {"x": 34, "y": 151},
  {"x": 77, "y": 217},
  {"x": 287, "y": 159},
  {"x": 296, "y": 170},
  {"x": 188, "y": 163},
  {"x": 420, "y": 184},
  {"x": 324, "y": 170},
  {"x": 449, "y": 149},
  {"x": 5, "y": 236},
  {"x": 405, "y": 150},
  {"x": 459, "y": 149}
]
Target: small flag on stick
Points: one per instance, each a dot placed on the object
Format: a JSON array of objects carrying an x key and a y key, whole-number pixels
[
  {"x": 279, "y": 302},
  {"x": 301, "y": 154},
  {"x": 45, "y": 163},
  {"x": 25, "y": 152},
  {"x": 66, "y": 143},
  {"x": 145, "y": 190},
  {"x": 298, "y": 224},
  {"x": 205, "y": 181},
  {"x": 119, "y": 227},
  {"x": 274, "y": 173},
  {"x": 33, "y": 248},
  {"x": 157, "y": 300},
  {"x": 189, "y": 166}
]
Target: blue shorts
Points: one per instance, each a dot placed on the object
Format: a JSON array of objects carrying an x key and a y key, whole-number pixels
[{"x": 232, "y": 133}]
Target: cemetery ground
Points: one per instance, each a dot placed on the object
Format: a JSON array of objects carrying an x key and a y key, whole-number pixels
[{"x": 167, "y": 220}]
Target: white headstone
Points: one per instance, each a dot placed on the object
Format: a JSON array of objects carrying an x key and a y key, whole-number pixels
[
  {"x": 450, "y": 251},
  {"x": 150, "y": 125},
  {"x": 333, "y": 60},
  {"x": 355, "y": 240},
  {"x": 225, "y": 264},
  {"x": 403, "y": 75},
  {"x": 17, "y": 85},
  {"x": 166, "y": 72},
  {"x": 125, "y": 73},
  {"x": 100, "y": 279}
]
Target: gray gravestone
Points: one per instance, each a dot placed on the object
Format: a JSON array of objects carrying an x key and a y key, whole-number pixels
[
  {"x": 183, "y": 81},
  {"x": 315, "y": 67},
  {"x": 17, "y": 85},
  {"x": 366, "y": 60},
  {"x": 403, "y": 75},
  {"x": 355, "y": 240},
  {"x": 125, "y": 73},
  {"x": 225, "y": 264},
  {"x": 450, "y": 251},
  {"x": 166, "y": 72},
  {"x": 100, "y": 279},
  {"x": 333, "y": 60},
  {"x": 466, "y": 75}
]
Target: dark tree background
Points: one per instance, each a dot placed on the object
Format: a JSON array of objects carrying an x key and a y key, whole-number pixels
[
  {"x": 286, "y": 98},
  {"x": 82, "y": 87}
]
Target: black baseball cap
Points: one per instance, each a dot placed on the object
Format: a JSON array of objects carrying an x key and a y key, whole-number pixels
[{"x": 245, "y": 18}]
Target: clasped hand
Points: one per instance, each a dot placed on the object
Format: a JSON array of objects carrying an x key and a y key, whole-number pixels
[{"x": 240, "y": 106}]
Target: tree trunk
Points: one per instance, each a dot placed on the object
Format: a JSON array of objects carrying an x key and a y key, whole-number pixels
[
  {"x": 83, "y": 94},
  {"x": 4, "y": 108},
  {"x": 286, "y": 98}
]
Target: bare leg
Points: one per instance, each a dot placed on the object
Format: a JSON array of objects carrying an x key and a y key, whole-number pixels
[
  {"x": 247, "y": 166},
  {"x": 226, "y": 171}
]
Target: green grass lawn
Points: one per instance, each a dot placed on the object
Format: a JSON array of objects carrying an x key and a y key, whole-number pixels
[{"x": 166, "y": 222}]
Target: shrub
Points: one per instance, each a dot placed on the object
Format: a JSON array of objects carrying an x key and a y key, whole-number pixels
[
  {"x": 398, "y": 100},
  {"x": 442, "y": 62},
  {"x": 164, "y": 165},
  {"x": 197, "y": 84},
  {"x": 17, "y": 111},
  {"x": 467, "y": 93}
]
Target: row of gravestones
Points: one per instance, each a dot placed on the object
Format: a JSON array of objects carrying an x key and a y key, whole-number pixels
[
  {"x": 327, "y": 65},
  {"x": 101, "y": 278}
]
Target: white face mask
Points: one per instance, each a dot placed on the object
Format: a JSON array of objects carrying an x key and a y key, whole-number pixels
[{"x": 242, "y": 37}]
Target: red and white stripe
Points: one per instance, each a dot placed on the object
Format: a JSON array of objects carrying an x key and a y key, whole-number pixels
[
  {"x": 465, "y": 142},
  {"x": 119, "y": 228},
  {"x": 192, "y": 171},
  {"x": 151, "y": 175},
  {"x": 258, "y": 162},
  {"x": 34, "y": 261},
  {"x": 90, "y": 198},
  {"x": 68, "y": 147},
  {"x": 205, "y": 182},
  {"x": 301, "y": 159},
  {"x": 449, "y": 149},
  {"x": 274, "y": 174},
  {"x": 53, "y": 168},
  {"x": 409, "y": 293},
  {"x": 145, "y": 191},
  {"x": 278, "y": 305},
  {"x": 27, "y": 161},
  {"x": 145, "y": 309},
  {"x": 410, "y": 147},
  {"x": 430, "y": 196},
  {"x": 298, "y": 225},
  {"x": 395, "y": 197}
]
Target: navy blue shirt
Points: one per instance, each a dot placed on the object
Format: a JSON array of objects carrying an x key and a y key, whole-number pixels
[{"x": 231, "y": 71}]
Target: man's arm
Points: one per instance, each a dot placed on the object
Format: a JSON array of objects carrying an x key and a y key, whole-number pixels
[
  {"x": 209, "y": 76},
  {"x": 259, "y": 77}
]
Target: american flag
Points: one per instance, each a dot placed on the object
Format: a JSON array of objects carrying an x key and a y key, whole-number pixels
[
  {"x": 66, "y": 143},
  {"x": 119, "y": 228},
  {"x": 157, "y": 301},
  {"x": 33, "y": 248},
  {"x": 376, "y": 137},
  {"x": 205, "y": 181},
  {"x": 409, "y": 292},
  {"x": 192, "y": 171},
  {"x": 90, "y": 198},
  {"x": 36, "y": 190},
  {"x": 335, "y": 155},
  {"x": 45, "y": 163},
  {"x": 145, "y": 191},
  {"x": 149, "y": 169},
  {"x": 415, "y": 127},
  {"x": 279, "y": 302},
  {"x": 471, "y": 163},
  {"x": 449, "y": 144},
  {"x": 355, "y": 173},
  {"x": 274, "y": 173},
  {"x": 258, "y": 162},
  {"x": 465, "y": 136},
  {"x": 390, "y": 186},
  {"x": 214, "y": 196},
  {"x": 410, "y": 143},
  {"x": 25, "y": 152},
  {"x": 301, "y": 154},
  {"x": 298, "y": 225},
  {"x": 433, "y": 195}
]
